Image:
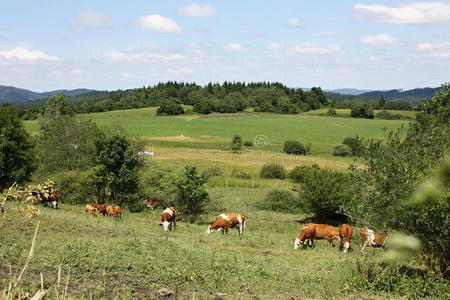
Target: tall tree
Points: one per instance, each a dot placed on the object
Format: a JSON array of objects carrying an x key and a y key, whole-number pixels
[{"x": 17, "y": 158}]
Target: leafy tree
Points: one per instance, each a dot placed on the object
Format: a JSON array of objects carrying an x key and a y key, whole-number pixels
[
  {"x": 236, "y": 143},
  {"x": 381, "y": 103},
  {"x": 355, "y": 144},
  {"x": 17, "y": 157},
  {"x": 342, "y": 150},
  {"x": 192, "y": 194},
  {"x": 281, "y": 200},
  {"x": 362, "y": 110},
  {"x": 170, "y": 109},
  {"x": 57, "y": 106},
  {"x": 297, "y": 174},
  {"x": 117, "y": 164},
  {"x": 203, "y": 106},
  {"x": 294, "y": 147},
  {"x": 272, "y": 171}
]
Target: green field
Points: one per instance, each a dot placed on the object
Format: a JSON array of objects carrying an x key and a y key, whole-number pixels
[
  {"x": 132, "y": 257},
  {"x": 215, "y": 132}
]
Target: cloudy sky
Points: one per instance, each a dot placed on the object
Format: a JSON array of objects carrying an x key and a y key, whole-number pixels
[{"x": 104, "y": 44}]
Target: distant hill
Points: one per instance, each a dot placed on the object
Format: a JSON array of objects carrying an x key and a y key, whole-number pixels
[
  {"x": 346, "y": 91},
  {"x": 414, "y": 95},
  {"x": 13, "y": 94}
]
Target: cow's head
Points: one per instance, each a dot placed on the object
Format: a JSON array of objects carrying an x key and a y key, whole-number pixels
[
  {"x": 167, "y": 226},
  {"x": 209, "y": 230},
  {"x": 297, "y": 243},
  {"x": 55, "y": 204}
]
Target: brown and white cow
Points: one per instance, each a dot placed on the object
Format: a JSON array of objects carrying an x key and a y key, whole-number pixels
[
  {"x": 89, "y": 209},
  {"x": 113, "y": 211},
  {"x": 369, "y": 237},
  {"x": 168, "y": 218},
  {"x": 100, "y": 207},
  {"x": 225, "y": 221},
  {"x": 311, "y": 231},
  {"x": 345, "y": 234},
  {"x": 53, "y": 198},
  {"x": 151, "y": 204}
]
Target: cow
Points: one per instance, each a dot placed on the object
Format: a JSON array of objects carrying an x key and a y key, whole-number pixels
[
  {"x": 168, "y": 218},
  {"x": 225, "y": 221},
  {"x": 369, "y": 237},
  {"x": 151, "y": 204},
  {"x": 100, "y": 207},
  {"x": 53, "y": 198},
  {"x": 345, "y": 234},
  {"x": 117, "y": 212},
  {"x": 310, "y": 232},
  {"x": 89, "y": 209}
]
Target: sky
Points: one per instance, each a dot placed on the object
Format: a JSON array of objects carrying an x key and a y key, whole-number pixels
[{"x": 108, "y": 45}]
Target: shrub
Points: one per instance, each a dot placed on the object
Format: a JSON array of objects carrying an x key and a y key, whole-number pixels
[
  {"x": 324, "y": 191},
  {"x": 331, "y": 112},
  {"x": 355, "y": 144},
  {"x": 298, "y": 173},
  {"x": 213, "y": 172},
  {"x": 280, "y": 200},
  {"x": 75, "y": 187},
  {"x": 236, "y": 143},
  {"x": 342, "y": 150},
  {"x": 385, "y": 115},
  {"x": 294, "y": 147},
  {"x": 272, "y": 171},
  {"x": 362, "y": 110},
  {"x": 240, "y": 174},
  {"x": 248, "y": 144},
  {"x": 170, "y": 109}
]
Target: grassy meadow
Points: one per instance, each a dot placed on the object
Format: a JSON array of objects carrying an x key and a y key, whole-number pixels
[{"x": 133, "y": 257}]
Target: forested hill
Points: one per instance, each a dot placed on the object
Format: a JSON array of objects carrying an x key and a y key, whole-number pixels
[
  {"x": 13, "y": 94},
  {"x": 413, "y": 96}
]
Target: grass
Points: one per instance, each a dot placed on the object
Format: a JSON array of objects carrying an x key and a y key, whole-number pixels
[{"x": 133, "y": 257}]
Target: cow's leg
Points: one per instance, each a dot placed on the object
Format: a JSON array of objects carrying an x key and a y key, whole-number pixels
[{"x": 225, "y": 229}]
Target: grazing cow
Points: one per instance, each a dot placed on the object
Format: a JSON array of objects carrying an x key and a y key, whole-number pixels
[
  {"x": 310, "y": 232},
  {"x": 369, "y": 237},
  {"x": 117, "y": 212},
  {"x": 225, "y": 221},
  {"x": 151, "y": 204},
  {"x": 100, "y": 207},
  {"x": 89, "y": 209},
  {"x": 53, "y": 198},
  {"x": 168, "y": 218},
  {"x": 345, "y": 234}
]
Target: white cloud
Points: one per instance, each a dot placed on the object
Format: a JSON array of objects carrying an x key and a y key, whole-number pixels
[
  {"x": 380, "y": 39},
  {"x": 294, "y": 22},
  {"x": 126, "y": 75},
  {"x": 313, "y": 48},
  {"x": 374, "y": 58},
  {"x": 157, "y": 23},
  {"x": 413, "y": 13},
  {"x": 180, "y": 71},
  {"x": 23, "y": 54},
  {"x": 436, "y": 50},
  {"x": 273, "y": 46},
  {"x": 90, "y": 19},
  {"x": 235, "y": 47},
  {"x": 197, "y": 11},
  {"x": 142, "y": 57},
  {"x": 77, "y": 72}
]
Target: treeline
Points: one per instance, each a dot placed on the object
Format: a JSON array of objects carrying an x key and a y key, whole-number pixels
[{"x": 228, "y": 97}]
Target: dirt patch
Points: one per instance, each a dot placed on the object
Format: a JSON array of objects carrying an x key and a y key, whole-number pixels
[{"x": 182, "y": 138}]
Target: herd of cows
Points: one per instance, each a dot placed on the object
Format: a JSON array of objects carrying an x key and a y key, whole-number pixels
[{"x": 225, "y": 221}]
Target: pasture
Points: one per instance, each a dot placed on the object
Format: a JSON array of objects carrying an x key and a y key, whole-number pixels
[
  {"x": 132, "y": 257},
  {"x": 267, "y": 131}
]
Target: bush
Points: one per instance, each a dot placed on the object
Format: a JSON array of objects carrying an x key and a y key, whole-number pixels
[
  {"x": 331, "y": 112},
  {"x": 236, "y": 143},
  {"x": 240, "y": 174},
  {"x": 385, "y": 115},
  {"x": 324, "y": 191},
  {"x": 248, "y": 144},
  {"x": 299, "y": 173},
  {"x": 294, "y": 147},
  {"x": 280, "y": 200},
  {"x": 213, "y": 172},
  {"x": 170, "y": 109},
  {"x": 272, "y": 171},
  {"x": 355, "y": 144},
  {"x": 362, "y": 110},
  {"x": 73, "y": 187},
  {"x": 342, "y": 150}
]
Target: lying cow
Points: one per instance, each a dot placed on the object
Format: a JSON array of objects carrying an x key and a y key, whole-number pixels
[
  {"x": 225, "y": 221},
  {"x": 369, "y": 237},
  {"x": 310, "y": 232},
  {"x": 44, "y": 198},
  {"x": 89, "y": 209},
  {"x": 168, "y": 218},
  {"x": 345, "y": 234},
  {"x": 151, "y": 204}
]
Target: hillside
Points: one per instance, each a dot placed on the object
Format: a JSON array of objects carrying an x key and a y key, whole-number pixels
[
  {"x": 414, "y": 95},
  {"x": 13, "y": 94}
]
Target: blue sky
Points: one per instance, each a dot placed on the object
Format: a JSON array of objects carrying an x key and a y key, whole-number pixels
[{"x": 104, "y": 44}]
